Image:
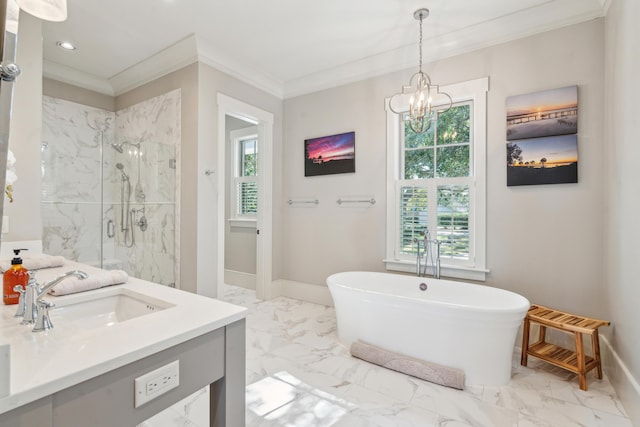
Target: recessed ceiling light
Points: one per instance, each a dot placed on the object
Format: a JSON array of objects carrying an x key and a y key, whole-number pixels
[{"x": 66, "y": 45}]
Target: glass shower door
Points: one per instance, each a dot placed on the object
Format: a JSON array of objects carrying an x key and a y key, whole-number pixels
[{"x": 109, "y": 193}]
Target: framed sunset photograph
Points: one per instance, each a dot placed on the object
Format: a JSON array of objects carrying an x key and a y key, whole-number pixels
[
  {"x": 546, "y": 113},
  {"x": 331, "y": 154},
  {"x": 551, "y": 160}
]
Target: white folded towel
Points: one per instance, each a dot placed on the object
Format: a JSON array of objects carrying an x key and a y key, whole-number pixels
[
  {"x": 35, "y": 262},
  {"x": 102, "y": 279}
]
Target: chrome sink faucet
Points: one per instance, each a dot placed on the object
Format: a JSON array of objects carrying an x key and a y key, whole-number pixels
[{"x": 35, "y": 309}]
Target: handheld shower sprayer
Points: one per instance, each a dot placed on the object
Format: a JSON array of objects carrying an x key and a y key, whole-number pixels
[{"x": 120, "y": 167}]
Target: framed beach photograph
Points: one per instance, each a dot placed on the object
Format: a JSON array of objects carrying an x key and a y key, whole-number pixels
[
  {"x": 550, "y": 160},
  {"x": 546, "y": 113},
  {"x": 331, "y": 154}
]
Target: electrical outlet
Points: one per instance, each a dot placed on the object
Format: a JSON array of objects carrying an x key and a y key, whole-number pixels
[{"x": 156, "y": 383}]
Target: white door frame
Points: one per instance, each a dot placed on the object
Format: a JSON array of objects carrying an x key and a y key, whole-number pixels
[{"x": 228, "y": 106}]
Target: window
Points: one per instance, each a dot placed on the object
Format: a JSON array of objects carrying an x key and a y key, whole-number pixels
[
  {"x": 436, "y": 184},
  {"x": 244, "y": 192}
]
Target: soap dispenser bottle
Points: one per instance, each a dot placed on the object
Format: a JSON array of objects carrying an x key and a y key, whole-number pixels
[{"x": 16, "y": 275}]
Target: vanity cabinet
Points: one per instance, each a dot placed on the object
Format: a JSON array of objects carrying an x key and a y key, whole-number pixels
[{"x": 216, "y": 358}]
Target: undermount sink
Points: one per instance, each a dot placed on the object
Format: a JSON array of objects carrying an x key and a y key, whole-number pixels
[{"x": 105, "y": 308}]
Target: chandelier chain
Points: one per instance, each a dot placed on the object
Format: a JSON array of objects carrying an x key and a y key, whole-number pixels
[{"x": 420, "y": 44}]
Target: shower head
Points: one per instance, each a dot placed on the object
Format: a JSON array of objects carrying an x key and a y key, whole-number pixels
[
  {"x": 120, "y": 147},
  {"x": 120, "y": 166}
]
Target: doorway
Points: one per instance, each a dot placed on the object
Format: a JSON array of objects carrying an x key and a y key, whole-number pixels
[
  {"x": 241, "y": 202},
  {"x": 259, "y": 128}
]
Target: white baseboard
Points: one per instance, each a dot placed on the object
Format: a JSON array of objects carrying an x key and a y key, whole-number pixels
[
  {"x": 304, "y": 292},
  {"x": 241, "y": 279},
  {"x": 626, "y": 386}
]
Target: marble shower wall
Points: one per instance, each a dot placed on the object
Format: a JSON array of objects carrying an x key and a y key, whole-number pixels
[
  {"x": 82, "y": 186},
  {"x": 149, "y": 134}
]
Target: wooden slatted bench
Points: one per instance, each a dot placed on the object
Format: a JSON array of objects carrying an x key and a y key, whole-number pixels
[{"x": 572, "y": 361}]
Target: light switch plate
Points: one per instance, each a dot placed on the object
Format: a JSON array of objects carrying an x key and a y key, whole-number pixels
[{"x": 156, "y": 383}]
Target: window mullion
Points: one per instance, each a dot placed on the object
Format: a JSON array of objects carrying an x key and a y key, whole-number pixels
[
  {"x": 435, "y": 145},
  {"x": 432, "y": 223},
  {"x": 402, "y": 150}
]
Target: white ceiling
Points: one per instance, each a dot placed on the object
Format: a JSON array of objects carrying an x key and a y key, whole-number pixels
[{"x": 286, "y": 47}]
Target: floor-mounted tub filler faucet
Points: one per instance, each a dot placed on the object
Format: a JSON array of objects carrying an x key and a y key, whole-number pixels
[
  {"x": 32, "y": 308},
  {"x": 427, "y": 241}
]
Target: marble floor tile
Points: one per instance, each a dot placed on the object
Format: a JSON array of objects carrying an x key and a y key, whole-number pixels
[{"x": 298, "y": 374}]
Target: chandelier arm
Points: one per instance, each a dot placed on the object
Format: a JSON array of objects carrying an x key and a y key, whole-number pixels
[
  {"x": 393, "y": 110},
  {"x": 450, "y": 102},
  {"x": 422, "y": 128}
]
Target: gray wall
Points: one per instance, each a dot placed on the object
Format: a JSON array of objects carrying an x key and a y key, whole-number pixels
[
  {"x": 623, "y": 194},
  {"x": 535, "y": 234}
]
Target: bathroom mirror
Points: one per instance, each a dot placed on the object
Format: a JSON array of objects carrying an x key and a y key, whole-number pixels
[{"x": 8, "y": 72}]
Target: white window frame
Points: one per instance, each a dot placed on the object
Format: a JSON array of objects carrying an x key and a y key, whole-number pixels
[
  {"x": 475, "y": 269},
  {"x": 236, "y": 137}
]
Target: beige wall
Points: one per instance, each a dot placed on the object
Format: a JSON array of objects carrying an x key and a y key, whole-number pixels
[
  {"x": 25, "y": 219},
  {"x": 79, "y": 95},
  {"x": 325, "y": 239},
  {"x": 623, "y": 195},
  {"x": 544, "y": 242}
]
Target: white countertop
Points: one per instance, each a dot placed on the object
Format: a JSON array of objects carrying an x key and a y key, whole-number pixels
[{"x": 43, "y": 363}]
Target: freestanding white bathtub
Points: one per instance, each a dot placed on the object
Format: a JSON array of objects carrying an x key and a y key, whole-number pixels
[{"x": 455, "y": 324}]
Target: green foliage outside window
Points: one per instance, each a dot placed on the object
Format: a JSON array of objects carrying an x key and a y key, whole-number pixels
[
  {"x": 248, "y": 167},
  {"x": 449, "y": 156},
  {"x": 249, "y": 158}
]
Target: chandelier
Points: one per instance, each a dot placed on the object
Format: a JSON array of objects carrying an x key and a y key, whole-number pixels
[{"x": 424, "y": 97}]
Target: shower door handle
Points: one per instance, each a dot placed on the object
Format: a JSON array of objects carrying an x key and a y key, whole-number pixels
[{"x": 111, "y": 229}]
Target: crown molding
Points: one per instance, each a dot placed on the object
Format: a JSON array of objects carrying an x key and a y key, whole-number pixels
[
  {"x": 168, "y": 60},
  {"x": 185, "y": 52},
  {"x": 221, "y": 61},
  {"x": 64, "y": 74}
]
